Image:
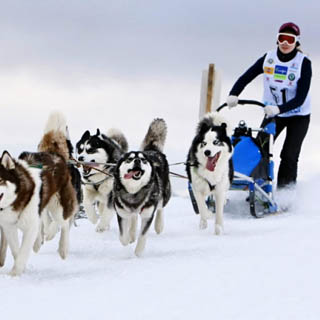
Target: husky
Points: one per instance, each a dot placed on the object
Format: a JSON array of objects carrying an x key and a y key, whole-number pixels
[
  {"x": 101, "y": 152},
  {"x": 142, "y": 187},
  {"x": 32, "y": 186},
  {"x": 209, "y": 166}
]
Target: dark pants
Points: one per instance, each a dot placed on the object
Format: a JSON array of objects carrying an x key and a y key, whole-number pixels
[{"x": 297, "y": 127}]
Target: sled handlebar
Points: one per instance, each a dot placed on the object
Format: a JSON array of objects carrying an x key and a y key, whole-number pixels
[{"x": 243, "y": 102}]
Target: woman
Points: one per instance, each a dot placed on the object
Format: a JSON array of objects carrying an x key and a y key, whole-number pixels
[{"x": 287, "y": 77}]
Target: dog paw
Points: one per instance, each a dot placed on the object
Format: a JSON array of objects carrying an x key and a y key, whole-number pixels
[
  {"x": 124, "y": 241},
  {"x": 140, "y": 247},
  {"x": 218, "y": 230},
  {"x": 101, "y": 228},
  {"x": 37, "y": 246},
  {"x": 203, "y": 224},
  {"x": 16, "y": 271},
  {"x": 92, "y": 217},
  {"x": 159, "y": 227},
  {"x": 63, "y": 252},
  {"x": 132, "y": 238}
]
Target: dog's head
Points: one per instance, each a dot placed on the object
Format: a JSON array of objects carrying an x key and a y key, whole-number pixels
[
  {"x": 96, "y": 149},
  {"x": 212, "y": 143},
  {"x": 9, "y": 180},
  {"x": 134, "y": 171}
]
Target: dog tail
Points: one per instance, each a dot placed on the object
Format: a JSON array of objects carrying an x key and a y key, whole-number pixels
[
  {"x": 117, "y": 136},
  {"x": 55, "y": 138},
  {"x": 156, "y": 136},
  {"x": 56, "y": 122}
]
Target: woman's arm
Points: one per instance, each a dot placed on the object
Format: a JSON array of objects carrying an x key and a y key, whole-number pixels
[
  {"x": 247, "y": 77},
  {"x": 303, "y": 86}
]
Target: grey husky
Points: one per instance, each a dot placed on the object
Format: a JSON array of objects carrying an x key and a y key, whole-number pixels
[{"x": 142, "y": 187}]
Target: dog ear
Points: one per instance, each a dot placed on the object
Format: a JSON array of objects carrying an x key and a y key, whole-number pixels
[
  {"x": 85, "y": 136},
  {"x": 203, "y": 126},
  {"x": 98, "y": 132},
  {"x": 7, "y": 161}
]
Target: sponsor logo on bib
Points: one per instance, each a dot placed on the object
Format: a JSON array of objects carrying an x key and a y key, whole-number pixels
[
  {"x": 291, "y": 76},
  {"x": 268, "y": 70},
  {"x": 280, "y": 72}
]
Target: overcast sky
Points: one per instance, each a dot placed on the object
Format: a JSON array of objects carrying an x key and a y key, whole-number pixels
[
  {"x": 107, "y": 63},
  {"x": 145, "y": 38}
]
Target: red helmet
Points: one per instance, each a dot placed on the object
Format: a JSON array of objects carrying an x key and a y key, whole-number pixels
[{"x": 290, "y": 26}]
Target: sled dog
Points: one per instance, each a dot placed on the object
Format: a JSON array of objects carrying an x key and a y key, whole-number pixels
[
  {"x": 101, "y": 151},
  {"x": 142, "y": 187},
  {"x": 32, "y": 186},
  {"x": 209, "y": 166}
]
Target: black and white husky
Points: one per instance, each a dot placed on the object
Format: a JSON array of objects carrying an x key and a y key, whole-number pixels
[
  {"x": 102, "y": 152},
  {"x": 30, "y": 186},
  {"x": 142, "y": 187},
  {"x": 209, "y": 166}
]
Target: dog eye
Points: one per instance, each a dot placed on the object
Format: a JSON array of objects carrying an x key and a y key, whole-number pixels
[
  {"x": 203, "y": 144},
  {"x": 90, "y": 150},
  {"x": 129, "y": 160},
  {"x": 217, "y": 142},
  {"x": 144, "y": 160}
]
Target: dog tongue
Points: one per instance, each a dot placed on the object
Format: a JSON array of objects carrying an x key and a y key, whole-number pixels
[
  {"x": 212, "y": 161},
  {"x": 130, "y": 174}
]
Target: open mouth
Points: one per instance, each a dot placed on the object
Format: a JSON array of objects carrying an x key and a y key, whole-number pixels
[
  {"x": 86, "y": 170},
  {"x": 212, "y": 161},
  {"x": 135, "y": 173}
]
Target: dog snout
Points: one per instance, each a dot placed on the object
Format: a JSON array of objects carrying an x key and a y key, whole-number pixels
[
  {"x": 136, "y": 162},
  {"x": 207, "y": 153}
]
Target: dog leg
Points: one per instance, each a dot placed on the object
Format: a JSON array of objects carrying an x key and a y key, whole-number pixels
[
  {"x": 11, "y": 234},
  {"x": 39, "y": 241},
  {"x": 106, "y": 215},
  {"x": 3, "y": 248},
  {"x": 89, "y": 207},
  {"x": 28, "y": 239},
  {"x": 50, "y": 227},
  {"x": 220, "y": 199},
  {"x": 64, "y": 239},
  {"x": 145, "y": 225},
  {"x": 133, "y": 229},
  {"x": 159, "y": 224},
  {"x": 205, "y": 214},
  {"x": 124, "y": 224},
  {"x": 52, "y": 230}
]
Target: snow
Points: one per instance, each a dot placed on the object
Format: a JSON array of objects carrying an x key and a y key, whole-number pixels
[{"x": 259, "y": 269}]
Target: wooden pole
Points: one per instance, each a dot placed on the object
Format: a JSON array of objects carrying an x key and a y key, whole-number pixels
[{"x": 210, "y": 87}]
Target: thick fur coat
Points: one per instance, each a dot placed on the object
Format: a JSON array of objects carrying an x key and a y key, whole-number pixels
[
  {"x": 102, "y": 152},
  {"x": 209, "y": 166},
  {"x": 142, "y": 187},
  {"x": 37, "y": 195}
]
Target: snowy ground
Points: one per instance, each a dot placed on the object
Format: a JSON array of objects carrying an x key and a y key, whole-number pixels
[{"x": 259, "y": 269}]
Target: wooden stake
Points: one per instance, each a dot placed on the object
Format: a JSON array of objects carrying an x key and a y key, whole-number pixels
[{"x": 210, "y": 87}]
